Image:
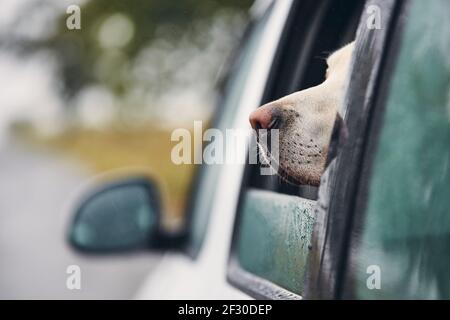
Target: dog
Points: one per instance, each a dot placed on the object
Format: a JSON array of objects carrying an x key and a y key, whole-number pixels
[{"x": 306, "y": 121}]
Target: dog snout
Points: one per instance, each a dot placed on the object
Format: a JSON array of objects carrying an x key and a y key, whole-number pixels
[{"x": 264, "y": 117}]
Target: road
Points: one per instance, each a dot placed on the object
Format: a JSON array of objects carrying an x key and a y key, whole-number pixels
[{"x": 34, "y": 189}]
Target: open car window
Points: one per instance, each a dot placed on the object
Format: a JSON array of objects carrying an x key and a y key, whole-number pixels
[{"x": 274, "y": 219}]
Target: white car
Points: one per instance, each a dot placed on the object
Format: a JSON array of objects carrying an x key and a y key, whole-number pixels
[{"x": 253, "y": 236}]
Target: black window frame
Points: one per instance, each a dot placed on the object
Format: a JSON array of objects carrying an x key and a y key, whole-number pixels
[
  {"x": 310, "y": 13},
  {"x": 337, "y": 231}
]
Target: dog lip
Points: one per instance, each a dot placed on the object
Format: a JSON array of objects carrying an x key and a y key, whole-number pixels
[
  {"x": 295, "y": 180},
  {"x": 284, "y": 174},
  {"x": 289, "y": 178}
]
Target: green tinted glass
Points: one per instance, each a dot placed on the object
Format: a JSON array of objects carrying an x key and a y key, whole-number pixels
[
  {"x": 407, "y": 228},
  {"x": 274, "y": 237}
]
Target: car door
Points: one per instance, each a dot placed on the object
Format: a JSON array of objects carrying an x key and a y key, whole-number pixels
[
  {"x": 382, "y": 229},
  {"x": 399, "y": 221}
]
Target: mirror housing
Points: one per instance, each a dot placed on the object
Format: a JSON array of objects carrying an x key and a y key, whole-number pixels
[{"x": 121, "y": 216}]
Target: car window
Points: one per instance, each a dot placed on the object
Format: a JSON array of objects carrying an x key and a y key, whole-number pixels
[
  {"x": 208, "y": 174},
  {"x": 406, "y": 230},
  {"x": 274, "y": 237},
  {"x": 274, "y": 220}
]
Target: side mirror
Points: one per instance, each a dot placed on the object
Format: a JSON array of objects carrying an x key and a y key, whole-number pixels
[{"x": 120, "y": 216}]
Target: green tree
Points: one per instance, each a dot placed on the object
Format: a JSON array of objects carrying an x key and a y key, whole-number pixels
[{"x": 80, "y": 53}]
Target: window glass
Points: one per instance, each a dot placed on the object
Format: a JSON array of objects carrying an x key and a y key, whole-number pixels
[
  {"x": 406, "y": 234},
  {"x": 275, "y": 237}
]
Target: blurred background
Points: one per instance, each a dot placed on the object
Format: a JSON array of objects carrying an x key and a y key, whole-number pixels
[{"x": 78, "y": 103}]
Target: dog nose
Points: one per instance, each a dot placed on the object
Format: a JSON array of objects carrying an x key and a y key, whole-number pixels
[{"x": 261, "y": 118}]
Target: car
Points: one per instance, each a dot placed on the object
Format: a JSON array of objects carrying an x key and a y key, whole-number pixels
[{"x": 377, "y": 227}]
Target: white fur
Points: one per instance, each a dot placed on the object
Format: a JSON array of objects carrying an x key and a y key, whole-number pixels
[{"x": 307, "y": 120}]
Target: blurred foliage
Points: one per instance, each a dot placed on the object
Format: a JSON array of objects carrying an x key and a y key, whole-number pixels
[
  {"x": 136, "y": 140},
  {"x": 79, "y": 50}
]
